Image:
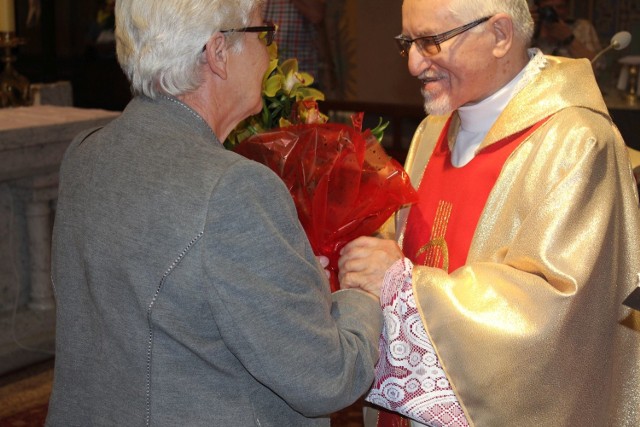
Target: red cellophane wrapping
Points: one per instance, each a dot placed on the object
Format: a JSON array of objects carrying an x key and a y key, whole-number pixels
[{"x": 342, "y": 182}]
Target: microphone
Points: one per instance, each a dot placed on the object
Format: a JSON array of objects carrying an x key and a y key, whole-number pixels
[{"x": 618, "y": 42}]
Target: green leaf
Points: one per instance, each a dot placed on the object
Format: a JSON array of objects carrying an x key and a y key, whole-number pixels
[{"x": 378, "y": 131}]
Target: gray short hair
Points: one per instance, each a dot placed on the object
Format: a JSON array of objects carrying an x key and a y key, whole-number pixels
[
  {"x": 467, "y": 10},
  {"x": 159, "y": 42}
]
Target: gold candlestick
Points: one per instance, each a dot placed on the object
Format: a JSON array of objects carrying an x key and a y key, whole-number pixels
[{"x": 15, "y": 89}]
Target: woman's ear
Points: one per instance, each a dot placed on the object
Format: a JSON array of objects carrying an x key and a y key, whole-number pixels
[
  {"x": 217, "y": 55},
  {"x": 501, "y": 27}
]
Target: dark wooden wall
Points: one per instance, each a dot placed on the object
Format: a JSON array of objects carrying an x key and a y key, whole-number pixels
[{"x": 57, "y": 47}]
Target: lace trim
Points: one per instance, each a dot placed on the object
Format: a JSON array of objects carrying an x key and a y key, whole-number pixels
[
  {"x": 409, "y": 377},
  {"x": 536, "y": 63}
]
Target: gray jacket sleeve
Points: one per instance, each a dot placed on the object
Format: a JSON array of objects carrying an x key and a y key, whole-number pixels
[{"x": 271, "y": 300}]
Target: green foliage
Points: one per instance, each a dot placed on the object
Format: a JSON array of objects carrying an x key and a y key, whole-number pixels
[{"x": 287, "y": 99}]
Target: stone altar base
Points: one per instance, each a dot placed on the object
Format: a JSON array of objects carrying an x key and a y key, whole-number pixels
[{"x": 32, "y": 143}]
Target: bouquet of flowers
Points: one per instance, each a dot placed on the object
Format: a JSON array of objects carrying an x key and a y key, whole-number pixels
[{"x": 342, "y": 182}]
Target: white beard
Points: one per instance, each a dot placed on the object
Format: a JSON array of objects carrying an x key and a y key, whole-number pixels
[{"x": 437, "y": 105}]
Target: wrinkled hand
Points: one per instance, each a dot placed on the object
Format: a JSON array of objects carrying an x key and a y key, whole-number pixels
[{"x": 364, "y": 261}]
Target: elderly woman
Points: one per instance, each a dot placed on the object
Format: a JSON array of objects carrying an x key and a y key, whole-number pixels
[{"x": 187, "y": 291}]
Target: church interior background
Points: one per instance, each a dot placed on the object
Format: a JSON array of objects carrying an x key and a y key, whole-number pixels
[{"x": 64, "y": 45}]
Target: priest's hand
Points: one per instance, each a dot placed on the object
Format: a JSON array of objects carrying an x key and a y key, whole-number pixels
[{"x": 364, "y": 262}]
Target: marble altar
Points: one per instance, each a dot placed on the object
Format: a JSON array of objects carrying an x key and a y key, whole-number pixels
[{"x": 32, "y": 143}]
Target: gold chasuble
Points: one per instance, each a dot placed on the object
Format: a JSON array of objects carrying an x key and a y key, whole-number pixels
[{"x": 528, "y": 323}]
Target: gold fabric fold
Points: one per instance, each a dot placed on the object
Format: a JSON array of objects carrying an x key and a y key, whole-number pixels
[{"x": 531, "y": 331}]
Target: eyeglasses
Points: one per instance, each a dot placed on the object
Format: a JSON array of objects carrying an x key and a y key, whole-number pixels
[
  {"x": 269, "y": 29},
  {"x": 430, "y": 45}
]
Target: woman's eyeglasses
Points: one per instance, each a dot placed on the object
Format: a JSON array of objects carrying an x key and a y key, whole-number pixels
[
  {"x": 430, "y": 45},
  {"x": 269, "y": 29}
]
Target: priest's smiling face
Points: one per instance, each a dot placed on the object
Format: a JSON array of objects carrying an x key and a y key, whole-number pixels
[{"x": 463, "y": 71}]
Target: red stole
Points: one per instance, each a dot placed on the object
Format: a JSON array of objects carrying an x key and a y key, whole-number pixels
[{"x": 441, "y": 225}]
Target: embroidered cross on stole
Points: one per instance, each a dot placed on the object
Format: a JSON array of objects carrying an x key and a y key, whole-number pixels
[{"x": 441, "y": 225}]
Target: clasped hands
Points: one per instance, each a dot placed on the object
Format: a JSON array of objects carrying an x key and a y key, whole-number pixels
[{"x": 364, "y": 262}]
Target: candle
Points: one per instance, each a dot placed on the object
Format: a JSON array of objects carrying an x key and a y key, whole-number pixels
[{"x": 7, "y": 16}]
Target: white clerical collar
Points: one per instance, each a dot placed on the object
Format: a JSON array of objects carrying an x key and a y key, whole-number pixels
[
  {"x": 477, "y": 119},
  {"x": 481, "y": 116}
]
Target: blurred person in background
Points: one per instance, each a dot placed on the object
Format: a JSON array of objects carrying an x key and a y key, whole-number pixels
[
  {"x": 556, "y": 33},
  {"x": 300, "y": 33}
]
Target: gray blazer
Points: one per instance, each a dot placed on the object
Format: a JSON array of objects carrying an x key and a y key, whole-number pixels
[{"x": 187, "y": 292}]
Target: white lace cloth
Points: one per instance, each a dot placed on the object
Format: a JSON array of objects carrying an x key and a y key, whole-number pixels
[{"x": 409, "y": 377}]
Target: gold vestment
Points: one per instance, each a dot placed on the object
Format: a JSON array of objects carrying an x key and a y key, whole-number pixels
[{"x": 532, "y": 330}]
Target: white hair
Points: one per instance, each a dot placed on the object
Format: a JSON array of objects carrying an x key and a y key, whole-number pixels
[
  {"x": 467, "y": 10},
  {"x": 159, "y": 42}
]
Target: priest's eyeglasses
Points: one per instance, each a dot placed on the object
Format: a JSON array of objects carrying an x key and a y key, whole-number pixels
[
  {"x": 430, "y": 45},
  {"x": 268, "y": 31}
]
